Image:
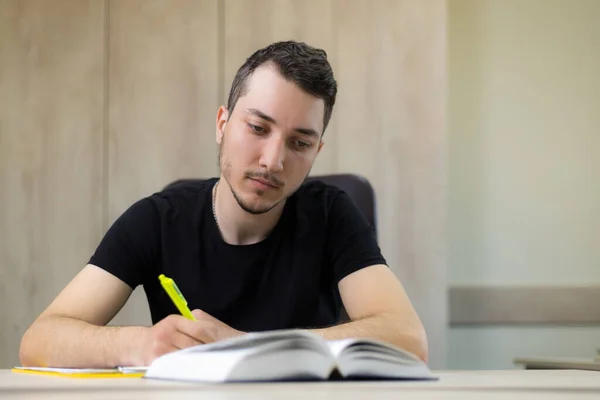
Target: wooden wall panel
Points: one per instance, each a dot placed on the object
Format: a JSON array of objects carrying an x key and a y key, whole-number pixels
[
  {"x": 391, "y": 129},
  {"x": 170, "y": 64},
  {"x": 163, "y": 91},
  {"x": 252, "y": 24},
  {"x": 51, "y": 106}
]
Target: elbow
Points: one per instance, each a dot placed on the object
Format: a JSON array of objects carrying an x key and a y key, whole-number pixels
[
  {"x": 421, "y": 346},
  {"x": 27, "y": 349},
  {"x": 409, "y": 336},
  {"x": 26, "y": 360},
  {"x": 414, "y": 341},
  {"x": 418, "y": 345},
  {"x": 25, "y": 353}
]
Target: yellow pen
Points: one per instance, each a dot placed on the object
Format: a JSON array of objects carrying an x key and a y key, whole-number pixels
[{"x": 173, "y": 291}]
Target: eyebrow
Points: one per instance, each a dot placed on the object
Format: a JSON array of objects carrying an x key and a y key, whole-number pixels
[{"x": 262, "y": 115}]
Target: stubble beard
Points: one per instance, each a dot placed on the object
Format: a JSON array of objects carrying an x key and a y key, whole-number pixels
[{"x": 225, "y": 168}]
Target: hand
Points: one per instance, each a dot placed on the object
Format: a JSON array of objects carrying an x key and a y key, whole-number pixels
[
  {"x": 176, "y": 332},
  {"x": 214, "y": 330}
]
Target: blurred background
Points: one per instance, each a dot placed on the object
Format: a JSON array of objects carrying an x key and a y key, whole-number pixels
[{"x": 476, "y": 121}]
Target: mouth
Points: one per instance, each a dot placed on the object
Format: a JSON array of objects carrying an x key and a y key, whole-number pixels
[{"x": 265, "y": 183}]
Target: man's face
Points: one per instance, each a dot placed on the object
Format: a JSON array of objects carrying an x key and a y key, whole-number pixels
[{"x": 270, "y": 141}]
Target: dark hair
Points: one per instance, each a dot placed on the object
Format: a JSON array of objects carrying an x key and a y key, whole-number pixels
[{"x": 297, "y": 62}]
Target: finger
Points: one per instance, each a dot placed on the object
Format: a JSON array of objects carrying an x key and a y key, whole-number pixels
[
  {"x": 181, "y": 340},
  {"x": 214, "y": 329},
  {"x": 197, "y": 330}
]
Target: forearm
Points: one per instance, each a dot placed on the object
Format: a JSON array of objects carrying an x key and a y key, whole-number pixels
[
  {"x": 385, "y": 327},
  {"x": 65, "y": 342}
]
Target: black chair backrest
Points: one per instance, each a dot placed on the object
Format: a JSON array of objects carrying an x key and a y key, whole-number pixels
[
  {"x": 357, "y": 187},
  {"x": 359, "y": 190}
]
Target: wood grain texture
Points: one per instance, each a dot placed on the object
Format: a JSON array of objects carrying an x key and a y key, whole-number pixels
[
  {"x": 170, "y": 64},
  {"x": 391, "y": 129},
  {"x": 51, "y": 106},
  {"x": 253, "y": 24},
  {"x": 163, "y": 96}
]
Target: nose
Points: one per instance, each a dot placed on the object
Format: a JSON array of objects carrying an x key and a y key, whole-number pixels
[{"x": 273, "y": 154}]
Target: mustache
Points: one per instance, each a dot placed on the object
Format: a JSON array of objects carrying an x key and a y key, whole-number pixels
[{"x": 272, "y": 179}]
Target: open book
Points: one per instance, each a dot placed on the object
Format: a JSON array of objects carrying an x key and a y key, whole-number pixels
[{"x": 288, "y": 355}]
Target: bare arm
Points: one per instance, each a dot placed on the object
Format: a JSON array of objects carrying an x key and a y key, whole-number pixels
[
  {"x": 71, "y": 331},
  {"x": 379, "y": 308}
]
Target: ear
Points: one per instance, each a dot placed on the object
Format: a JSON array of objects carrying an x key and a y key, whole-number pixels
[
  {"x": 320, "y": 147},
  {"x": 222, "y": 116}
]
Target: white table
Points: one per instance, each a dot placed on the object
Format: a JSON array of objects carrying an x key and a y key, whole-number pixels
[{"x": 513, "y": 384}]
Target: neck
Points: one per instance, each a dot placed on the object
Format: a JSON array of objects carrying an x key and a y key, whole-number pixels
[{"x": 239, "y": 227}]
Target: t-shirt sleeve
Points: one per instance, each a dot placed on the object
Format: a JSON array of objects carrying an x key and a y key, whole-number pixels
[
  {"x": 352, "y": 242},
  {"x": 130, "y": 246}
]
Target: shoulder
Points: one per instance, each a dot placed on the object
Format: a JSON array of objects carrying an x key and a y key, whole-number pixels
[
  {"x": 318, "y": 193},
  {"x": 181, "y": 198},
  {"x": 182, "y": 194},
  {"x": 350, "y": 204},
  {"x": 319, "y": 200},
  {"x": 350, "y": 196}
]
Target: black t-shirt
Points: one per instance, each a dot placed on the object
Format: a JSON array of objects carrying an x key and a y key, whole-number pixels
[{"x": 288, "y": 280}]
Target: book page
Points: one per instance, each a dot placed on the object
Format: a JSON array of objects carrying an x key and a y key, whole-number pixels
[
  {"x": 206, "y": 366},
  {"x": 252, "y": 356},
  {"x": 337, "y": 346},
  {"x": 382, "y": 349},
  {"x": 254, "y": 340}
]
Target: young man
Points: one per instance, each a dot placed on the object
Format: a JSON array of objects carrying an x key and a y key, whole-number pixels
[{"x": 256, "y": 249}]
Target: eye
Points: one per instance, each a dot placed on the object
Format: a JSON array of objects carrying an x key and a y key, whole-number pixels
[
  {"x": 301, "y": 145},
  {"x": 256, "y": 128}
]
